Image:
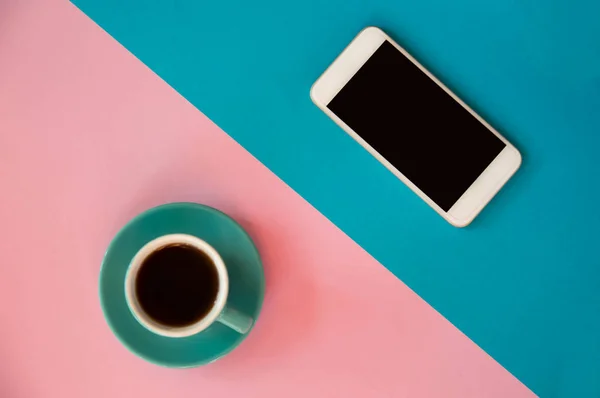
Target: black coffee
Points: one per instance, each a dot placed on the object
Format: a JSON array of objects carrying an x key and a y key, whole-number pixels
[{"x": 177, "y": 285}]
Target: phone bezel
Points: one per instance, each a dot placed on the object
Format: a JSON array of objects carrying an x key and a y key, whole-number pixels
[{"x": 485, "y": 186}]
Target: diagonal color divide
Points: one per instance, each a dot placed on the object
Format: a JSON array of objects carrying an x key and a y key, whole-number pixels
[
  {"x": 91, "y": 137},
  {"x": 522, "y": 282}
]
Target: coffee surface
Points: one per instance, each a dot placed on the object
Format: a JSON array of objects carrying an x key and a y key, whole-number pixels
[{"x": 177, "y": 285}]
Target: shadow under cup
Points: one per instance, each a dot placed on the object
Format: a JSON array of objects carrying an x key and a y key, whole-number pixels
[{"x": 177, "y": 285}]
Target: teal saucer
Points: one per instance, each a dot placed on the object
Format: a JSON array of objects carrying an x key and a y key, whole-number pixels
[{"x": 246, "y": 278}]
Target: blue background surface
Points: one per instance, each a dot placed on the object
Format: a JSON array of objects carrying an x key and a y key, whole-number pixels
[{"x": 523, "y": 281}]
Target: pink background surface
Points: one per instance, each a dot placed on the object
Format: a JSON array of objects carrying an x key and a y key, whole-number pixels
[{"x": 89, "y": 137}]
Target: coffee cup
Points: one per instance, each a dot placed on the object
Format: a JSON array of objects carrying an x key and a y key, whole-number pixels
[{"x": 177, "y": 286}]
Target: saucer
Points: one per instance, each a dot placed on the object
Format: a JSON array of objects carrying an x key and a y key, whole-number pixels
[{"x": 246, "y": 278}]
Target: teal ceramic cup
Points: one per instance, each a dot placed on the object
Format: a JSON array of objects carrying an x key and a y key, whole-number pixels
[
  {"x": 239, "y": 304},
  {"x": 219, "y": 311}
]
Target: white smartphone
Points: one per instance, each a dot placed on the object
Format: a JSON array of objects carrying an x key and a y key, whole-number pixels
[{"x": 415, "y": 126}]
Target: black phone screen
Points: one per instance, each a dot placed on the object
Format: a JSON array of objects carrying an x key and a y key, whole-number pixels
[{"x": 416, "y": 125}]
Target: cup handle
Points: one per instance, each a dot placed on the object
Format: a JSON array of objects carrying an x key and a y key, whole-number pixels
[{"x": 235, "y": 320}]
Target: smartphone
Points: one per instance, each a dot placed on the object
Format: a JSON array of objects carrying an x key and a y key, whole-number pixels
[{"x": 415, "y": 126}]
